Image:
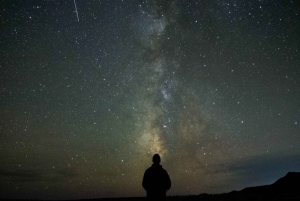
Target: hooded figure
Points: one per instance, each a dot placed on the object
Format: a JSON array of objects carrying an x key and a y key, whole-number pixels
[{"x": 156, "y": 180}]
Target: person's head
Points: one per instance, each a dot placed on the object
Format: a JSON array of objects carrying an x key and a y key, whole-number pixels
[{"x": 156, "y": 159}]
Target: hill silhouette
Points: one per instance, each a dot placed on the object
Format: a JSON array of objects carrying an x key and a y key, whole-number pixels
[
  {"x": 289, "y": 184},
  {"x": 285, "y": 188}
]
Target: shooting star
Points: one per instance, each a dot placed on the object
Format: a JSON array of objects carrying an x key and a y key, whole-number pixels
[{"x": 76, "y": 10}]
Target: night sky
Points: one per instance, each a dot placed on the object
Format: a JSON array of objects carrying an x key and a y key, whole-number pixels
[{"x": 90, "y": 91}]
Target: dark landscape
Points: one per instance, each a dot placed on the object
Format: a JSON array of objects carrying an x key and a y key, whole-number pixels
[{"x": 285, "y": 188}]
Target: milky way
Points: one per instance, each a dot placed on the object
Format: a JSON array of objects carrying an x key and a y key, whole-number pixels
[{"x": 211, "y": 86}]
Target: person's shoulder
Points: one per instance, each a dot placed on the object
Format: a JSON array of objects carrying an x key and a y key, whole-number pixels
[
  {"x": 164, "y": 170},
  {"x": 148, "y": 169}
]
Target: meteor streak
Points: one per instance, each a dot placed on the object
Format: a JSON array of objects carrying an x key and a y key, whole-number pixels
[{"x": 76, "y": 10}]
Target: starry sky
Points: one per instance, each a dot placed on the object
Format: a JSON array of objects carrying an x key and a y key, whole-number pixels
[{"x": 90, "y": 90}]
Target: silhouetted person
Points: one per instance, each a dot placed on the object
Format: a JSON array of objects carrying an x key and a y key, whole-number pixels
[{"x": 156, "y": 180}]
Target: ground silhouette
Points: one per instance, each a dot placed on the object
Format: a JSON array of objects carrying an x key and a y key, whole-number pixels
[{"x": 286, "y": 188}]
